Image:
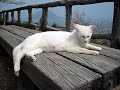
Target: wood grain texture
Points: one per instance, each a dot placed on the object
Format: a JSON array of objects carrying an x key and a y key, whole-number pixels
[
  {"x": 16, "y": 31},
  {"x": 106, "y": 64},
  {"x": 51, "y": 73},
  {"x": 24, "y": 29}
]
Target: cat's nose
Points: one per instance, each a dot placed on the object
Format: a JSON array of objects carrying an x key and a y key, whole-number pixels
[{"x": 85, "y": 41}]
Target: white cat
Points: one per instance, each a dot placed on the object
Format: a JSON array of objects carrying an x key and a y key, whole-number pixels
[{"x": 76, "y": 41}]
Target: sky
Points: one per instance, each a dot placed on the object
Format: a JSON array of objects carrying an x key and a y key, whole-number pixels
[{"x": 101, "y": 10}]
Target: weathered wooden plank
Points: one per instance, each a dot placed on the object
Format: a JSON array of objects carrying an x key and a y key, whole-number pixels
[
  {"x": 68, "y": 16},
  {"x": 8, "y": 42},
  {"x": 101, "y": 64},
  {"x": 17, "y": 32},
  {"x": 113, "y": 53},
  {"x": 115, "y": 40},
  {"x": 24, "y": 29},
  {"x": 56, "y": 74},
  {"x": 110, "y": 52},
  {"x": 69, "y": 73},
  {"x": 107, "y": 66},
  {"x": 5, "y": 41}
]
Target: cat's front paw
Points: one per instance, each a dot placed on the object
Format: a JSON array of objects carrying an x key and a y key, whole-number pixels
[
  {"x": 99, "y": 48},
  {"x": 32, "y": 58},
  {"x": 95, "y": 53}
]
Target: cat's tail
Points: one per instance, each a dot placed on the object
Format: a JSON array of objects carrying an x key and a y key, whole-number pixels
[
  {"x": 18, "y": 54},
  {"x": 19, "y": 57},
  {"x": 15, "y": 51}
]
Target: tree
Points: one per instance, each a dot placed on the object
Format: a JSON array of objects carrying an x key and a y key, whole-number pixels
[{"x": 12, "y": 2}]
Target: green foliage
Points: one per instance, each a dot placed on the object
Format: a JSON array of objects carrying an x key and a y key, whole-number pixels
[
  {"x": 55, "y": 25},
  {"x": 103, "y": 42}
]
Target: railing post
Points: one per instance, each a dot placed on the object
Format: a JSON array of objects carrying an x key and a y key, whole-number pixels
[
  {"x": 7, "y": 17},
  {"x": 19, "y": 16},
  {"x": 68, "y": 16},
  {"x": 0, "y": 18},
  {"x": 12, "y": 16},
  {"x": 30, "y": 15},
  {"x": 0, "y": 15},
  {"x": 3, "y": 18},
  {"x": 44, "y": 20},
  {"x": 115, "y": 39}
]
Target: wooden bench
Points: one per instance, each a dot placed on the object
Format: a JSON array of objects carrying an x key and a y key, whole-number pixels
[{"x": 62, "y": 70}]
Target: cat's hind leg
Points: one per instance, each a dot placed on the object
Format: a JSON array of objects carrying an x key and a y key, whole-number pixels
[
  {"x": 31, "y": 54},
  {"x": 17, "y": 61}
]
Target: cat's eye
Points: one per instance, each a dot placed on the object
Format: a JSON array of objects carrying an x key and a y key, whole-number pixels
[
  {"x": 88, "y": 36},
  {"x": 83, "y": 36}
]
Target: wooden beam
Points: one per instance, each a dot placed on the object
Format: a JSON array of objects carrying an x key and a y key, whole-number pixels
[
  {"x": 68, "y": 17},
  {"x": 44, "y": 18},
  {"x": 19, "y": 17},
  {"x": 12, "y": 16},
  {"x": 4, "y": 18},
  {"x": 116, "y": 26},
  {"x": 30, "y": 15},
  {"x": 60, "y": 3}
]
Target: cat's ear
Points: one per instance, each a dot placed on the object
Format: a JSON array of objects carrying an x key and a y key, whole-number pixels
[
  {"x": 93, "y": 27},
  {"x": 76, "y": 26}
]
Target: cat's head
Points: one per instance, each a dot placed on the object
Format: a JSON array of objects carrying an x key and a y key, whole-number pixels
[{"x": 84, "y": 33}]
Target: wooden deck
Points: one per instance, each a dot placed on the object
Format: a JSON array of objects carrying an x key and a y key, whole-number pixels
[{"x": 62, "y": 70}]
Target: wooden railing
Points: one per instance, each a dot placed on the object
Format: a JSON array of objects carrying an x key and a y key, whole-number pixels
[{"x": 68, "y": 7}]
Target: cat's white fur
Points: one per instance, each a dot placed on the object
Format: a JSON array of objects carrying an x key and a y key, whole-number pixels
[{"x": 76, "y": 41}]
